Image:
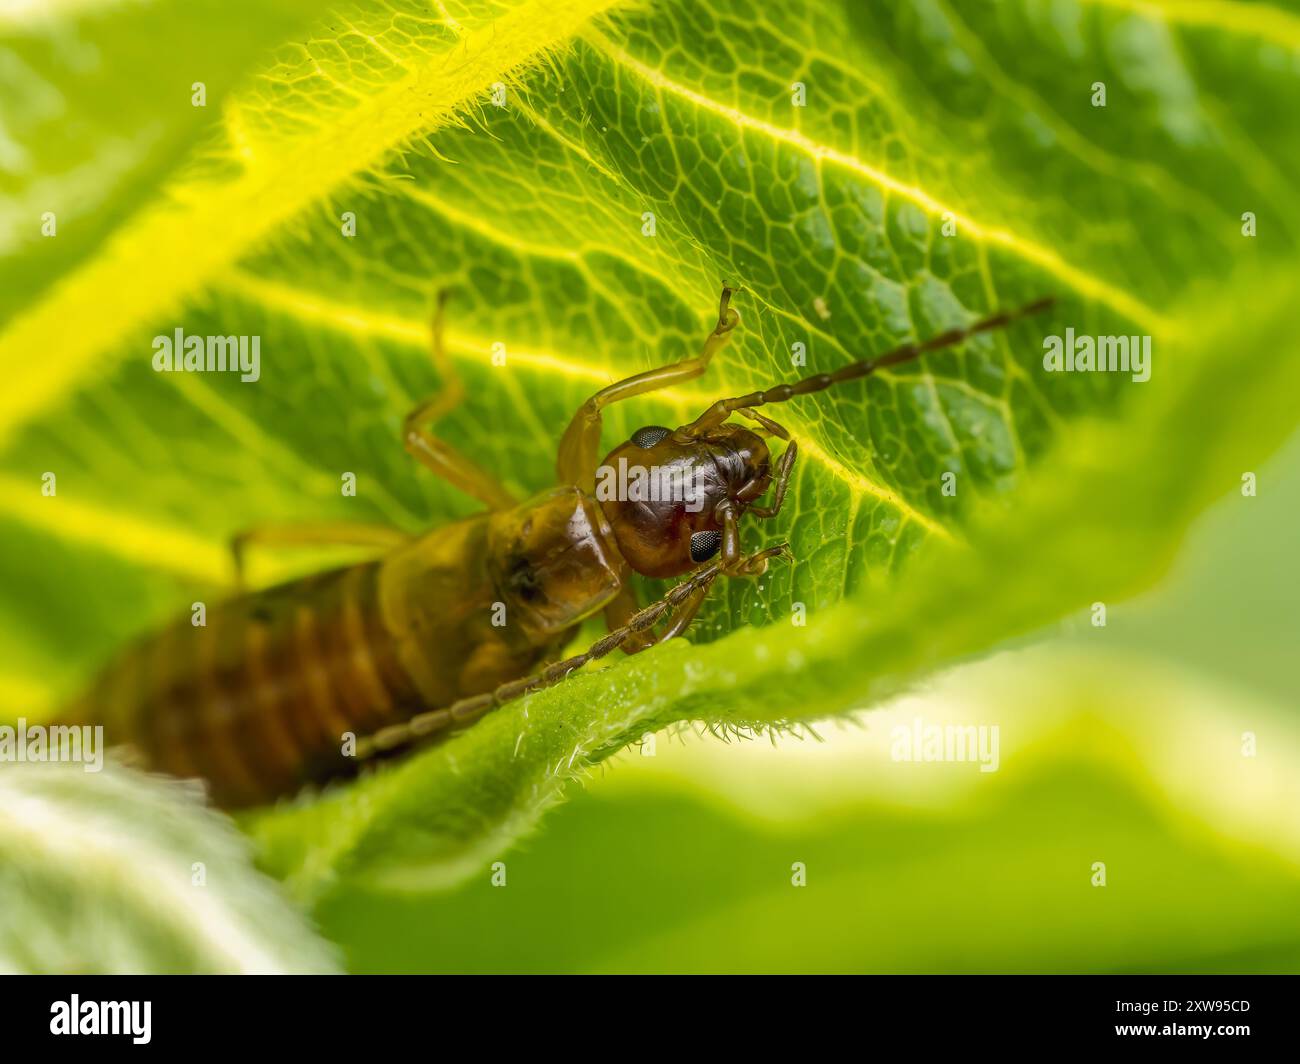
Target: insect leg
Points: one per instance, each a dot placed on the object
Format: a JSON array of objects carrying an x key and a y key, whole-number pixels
[
  {"x": 779, "y": 431},
  {"x": 467, "y": 710},
  {"x": 320, "y": 534},
  {"x": 731, "y": 560},
  {"x": 784, "y": 468},
  {"x": 434, "y": 453},
  {"x": 580, "y": 444}
]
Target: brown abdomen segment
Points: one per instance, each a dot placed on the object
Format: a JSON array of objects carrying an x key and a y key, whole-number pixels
[{"x": 258, "y": 700}]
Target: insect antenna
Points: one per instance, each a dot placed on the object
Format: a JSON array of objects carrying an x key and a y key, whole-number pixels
[
  {"x": 467, "y": 710},
  {"x": 781, "y": 393}
]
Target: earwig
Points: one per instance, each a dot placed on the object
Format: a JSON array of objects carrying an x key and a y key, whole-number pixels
[{"x": 265, "y": 698}]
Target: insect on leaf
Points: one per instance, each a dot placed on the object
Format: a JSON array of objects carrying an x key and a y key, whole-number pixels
[{"x": 583, "y": 177}]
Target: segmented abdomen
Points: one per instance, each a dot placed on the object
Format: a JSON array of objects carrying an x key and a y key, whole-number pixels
[{"x": 257, "y": 701}]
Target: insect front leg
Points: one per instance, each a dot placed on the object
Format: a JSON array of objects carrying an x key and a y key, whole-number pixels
[
  {"x": 784, "y": 468},
  {"x": 436, "y": 454},
  {"x": 580, "y": 444},
  {"x": 732, "y": 561}
]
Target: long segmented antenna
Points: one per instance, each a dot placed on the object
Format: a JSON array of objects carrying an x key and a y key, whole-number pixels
[
  {"x": 467, "y": 710},
  {"x": 780, "y": 393}
]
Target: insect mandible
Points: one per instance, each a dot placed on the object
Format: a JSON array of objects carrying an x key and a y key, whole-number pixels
[{"x": 259, "y": 700}]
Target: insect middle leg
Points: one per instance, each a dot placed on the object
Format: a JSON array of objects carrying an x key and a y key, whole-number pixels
[
  {"x": 436, "y": 454},
  {"x": 580, "y": 444}
]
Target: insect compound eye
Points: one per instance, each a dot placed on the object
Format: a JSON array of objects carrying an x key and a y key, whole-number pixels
[
  {"x": 704, "y": 545},
  {"x": 647, "y": 437}
]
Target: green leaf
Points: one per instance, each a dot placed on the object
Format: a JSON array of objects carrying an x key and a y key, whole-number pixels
[
  {"x": 834, "y": 216},
  {"x": 683, "y": 861},
  {"x": 117, "y": 872}
]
